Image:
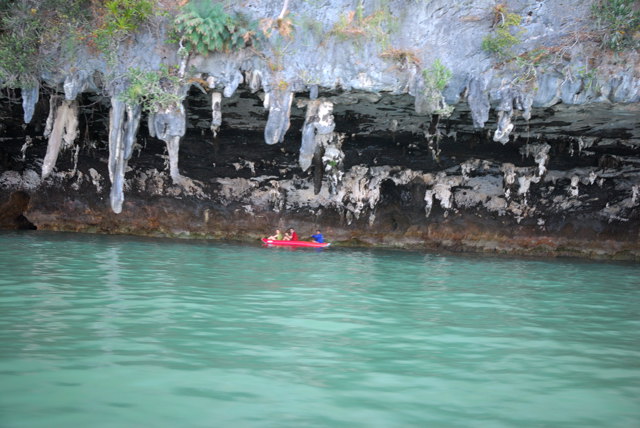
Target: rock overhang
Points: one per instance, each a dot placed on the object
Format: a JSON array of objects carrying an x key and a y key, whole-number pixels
[{"x": 508, "y": 142}]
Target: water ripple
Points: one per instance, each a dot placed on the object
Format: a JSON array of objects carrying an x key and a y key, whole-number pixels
[{"x": 112, "y": 331}]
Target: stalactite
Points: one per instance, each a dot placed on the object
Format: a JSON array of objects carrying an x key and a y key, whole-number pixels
[
  {"x": 131, "y": 129},
  {"x": 71, "y": 124},
  {"x": 254, "y": 80},
  {"x": 478, "y": 102},
  {"x": 122, "y": 136},
  {"x": 116, "y": 146},
  {"x": 279, "y": 104},
  {"x": 308, "y": 144},
  {"x": 231, "y": 87},
  {"x": 216, "y": 112},
  {"x": 30, "y": 98},
  {"x": 318, "y": 127},
  {"x": 318, "y": 170},
  {"x": 169, "y": 126},
  {"x": 313, "y": 92},
  {"x": 64, "y": 129},
  {"x": 504, "y": 127},
  {"x": 116, "y": 155},
  {"x": 173, "y": 148},
  {"x": 151, "y": 118},
  {"x": 74, "y": 84},
  {"x": 332, "y": 160},
  {"x": 54, "y": 102},
  {"x": 510, "y": 99}
]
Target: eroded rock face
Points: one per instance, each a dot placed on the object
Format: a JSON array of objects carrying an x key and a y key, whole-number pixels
[
  {"x": 563, "y": 196},
  {"x": 544, "y": 162}
]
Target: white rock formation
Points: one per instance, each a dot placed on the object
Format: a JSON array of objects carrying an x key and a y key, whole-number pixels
[{"x": 62, "y": 130}]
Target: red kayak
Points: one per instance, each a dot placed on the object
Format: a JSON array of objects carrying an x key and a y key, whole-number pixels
[{"x": 296, "y": 243}]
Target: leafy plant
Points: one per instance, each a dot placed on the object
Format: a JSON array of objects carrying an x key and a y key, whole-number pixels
[
  {"x": 118, "y": 19},
  {"x": 205, "y": 27},
  {"x": 503, "y": 38},
  {"x": 35, "y": 34},
  {"x": 436, "y": 78},
  {"x": 19, "y": 46},
  {"x": 154, "y": 90},
  {"x": 30, "y": 33},
  {"x": 127, "y": 15},
  {"x": 620, "y": 21}
]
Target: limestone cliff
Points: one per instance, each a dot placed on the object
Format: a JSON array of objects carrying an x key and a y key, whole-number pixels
[{"x": 475, "y": 125}]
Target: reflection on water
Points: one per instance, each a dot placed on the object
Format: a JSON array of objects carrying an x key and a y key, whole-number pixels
[{"x": 113, "y": 331}]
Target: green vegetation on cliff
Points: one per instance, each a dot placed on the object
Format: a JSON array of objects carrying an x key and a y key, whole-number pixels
[
  {"x": 153, "y": 90},
  {"x": 506, "y": 33},
  {"x": 205, "y": 27},
  {"x": 436, "y": 78},
  {"x": 30, "y": 33},
  {"x": 118, "y": 20},
  {"x": 620, "y": 22},
  {"x": 37, "y": 34}
]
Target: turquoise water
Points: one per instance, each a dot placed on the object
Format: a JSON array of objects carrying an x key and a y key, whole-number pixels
[{"x": 103, "y": 331}]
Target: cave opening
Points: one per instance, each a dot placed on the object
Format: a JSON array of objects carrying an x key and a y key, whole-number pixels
[{"x": 12, "y": 212}]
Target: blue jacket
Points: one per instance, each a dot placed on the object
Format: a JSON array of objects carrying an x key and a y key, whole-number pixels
[{"x": 318, "y": 237}]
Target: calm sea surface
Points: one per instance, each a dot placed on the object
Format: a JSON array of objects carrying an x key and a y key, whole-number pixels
[{"x": 103, "y": 331}]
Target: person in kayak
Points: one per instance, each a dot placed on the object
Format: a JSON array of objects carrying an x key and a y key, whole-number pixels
[
  {"x": 294, "y": 235},
  {"x": 276, "y": 236},
  {"x": 318, "y": 237}
]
